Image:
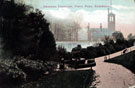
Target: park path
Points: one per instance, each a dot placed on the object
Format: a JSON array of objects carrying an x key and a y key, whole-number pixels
[
  {"x": 112, "y": 75},
  {"x": 109, "y": 75}
]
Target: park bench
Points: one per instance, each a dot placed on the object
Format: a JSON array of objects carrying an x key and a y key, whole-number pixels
[
  {"x": 91, "y": 60},
  {"x": 80, "y": 63},
  {"x": 86, "y": 63}
]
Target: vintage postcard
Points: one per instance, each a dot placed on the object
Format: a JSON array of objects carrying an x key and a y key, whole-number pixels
[{"x": 67, "y": 43}]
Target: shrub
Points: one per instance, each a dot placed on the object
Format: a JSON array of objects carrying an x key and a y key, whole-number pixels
[
  {"x": 110, "y": 48},
  {"x": 20, "y": 69},
  {"x": 92, "y": 51},
  {"x": 10, "y": 73},
  {"x": 33, "y": 69},
  {"x": 61, "y": 51},
  {"x": 131, "y": 42}
]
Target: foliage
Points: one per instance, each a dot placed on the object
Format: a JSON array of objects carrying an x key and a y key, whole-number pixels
[
  {"x": 18, "y": 70},
  {"x": 78, "y": 48},
  {"x": 25, "y": 32},
  {"x": 127, "y": 60},
  {"x": 33, "y": 69},
  {"x": 92, "y": 52},
  {"x": 131, "y": 37},
  {"x": 65, "y": 79},
  {"x": 110, "y": 46},
  {"x": 10, "y": 73},
  {"x": 62, "y": 53},
  {"x": 118, "y": 36},
  {"x": 107, "y": 40},
  {"x": 131, "y": 42},
  {"x": 100, "y": 50},
  {"x": 82, "y": 54},
  {"x": 27, "y": 41}
]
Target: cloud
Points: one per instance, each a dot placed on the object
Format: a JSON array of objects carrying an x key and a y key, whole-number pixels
[
  {"x": 94, "y": 17},
  {"x": 125, "y": 17},
  {"x": 83, "y": 17},
  {"x": 61, "y": 13},
  {"x": 118, "y": 7}
]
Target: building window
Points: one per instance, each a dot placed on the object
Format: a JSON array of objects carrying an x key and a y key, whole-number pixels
[{"x": 111, "y": 18}]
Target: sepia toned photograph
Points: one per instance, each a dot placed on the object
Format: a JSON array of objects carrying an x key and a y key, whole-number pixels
[{"x": 67, "y": 43}]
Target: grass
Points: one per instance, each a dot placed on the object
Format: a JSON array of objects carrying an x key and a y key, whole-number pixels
[
  {"x": 65, "y": 79},
  {"x": 127, "y": 60}
]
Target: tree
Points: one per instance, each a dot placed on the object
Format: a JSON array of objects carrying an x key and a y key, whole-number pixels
[
  {"x": 106, "y": 39},
  {"x": 131, "y": 37},
  {"x": 92, "y": 52},
  {"x": 118, "y": 36},
  {"x": 25, "y": 32}
]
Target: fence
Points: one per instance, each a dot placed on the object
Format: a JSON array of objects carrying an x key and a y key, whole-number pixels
[{"x": 110, "y": 56}]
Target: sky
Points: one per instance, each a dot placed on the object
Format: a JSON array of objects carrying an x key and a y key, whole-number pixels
[{"x": 90, "y": 11}]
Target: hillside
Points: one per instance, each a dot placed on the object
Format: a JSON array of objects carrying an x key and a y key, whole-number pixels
[{"x": 127, "y": 60}]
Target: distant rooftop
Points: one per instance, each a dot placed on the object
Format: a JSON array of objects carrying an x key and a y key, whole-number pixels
[{"x": 97, "y": 32}]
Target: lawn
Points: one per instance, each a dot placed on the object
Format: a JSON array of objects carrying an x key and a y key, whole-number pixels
[
  {"x": 127, "y": 60},
  {"x": 64, "y": 79}
]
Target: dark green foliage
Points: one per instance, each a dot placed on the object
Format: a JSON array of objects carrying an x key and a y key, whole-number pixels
[
  {"x": 131, "y": 42},
  {"x": 24, "y": 32},
  {"x": 126, "y": 60},
  {"x": 78, "y": 48},
  {"x": 27, "y": 41},
  {"x": 10, "y": 74},
  {"x": 78, "y": 52},
  {"x": 132, "y": 62},
  {"x": 92, "y": 52},
  {"x": 118, "y": 36},
  {"x": 65, "y": 79},
  {"x": 33, "y": 69},
  {"x": 20, "y": 70},
  {"x": 120, "y": 45},
  {"x": 82, "y": 54},
  {"x": 109, "y": 47},
  {"x": 100, "y": 50},
  {"x": 62, "y": 53},
  {"x": 107, "y": 40},
  {"x": 47, "y": 46}
]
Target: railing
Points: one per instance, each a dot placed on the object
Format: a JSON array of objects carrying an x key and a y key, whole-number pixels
[{"x": 127, "y": 50}]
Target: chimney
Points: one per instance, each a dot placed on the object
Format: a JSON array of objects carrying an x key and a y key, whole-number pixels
[
  {"x": 88, "y": 26},
  {"x": 100, "y": 25},
  {"x": 108, "y": 11}
]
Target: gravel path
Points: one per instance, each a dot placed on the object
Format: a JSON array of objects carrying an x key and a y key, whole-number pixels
[
  {"x": 109, "y": 75},
  {"x": 112, "y": 75}
]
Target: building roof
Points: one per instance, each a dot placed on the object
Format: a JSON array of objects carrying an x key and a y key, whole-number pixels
[
  {"x": 97, "y": 32},
  {"x": 111, "y": 14}
]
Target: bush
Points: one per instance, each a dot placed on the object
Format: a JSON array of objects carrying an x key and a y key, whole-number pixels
[
  {"x": 61, "y": 51},
  {"x": 132, "y": 62},
  {"x": 131, "y": 42},
  {"x": 19, "y": 69},
  {"x": 110, "y": 48},
  {"x": 92, "y": 51},
  {"x": 10, "y": 73},
  {"x": 83, "y": 53},
  {"x": 33, "y": 69}
]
